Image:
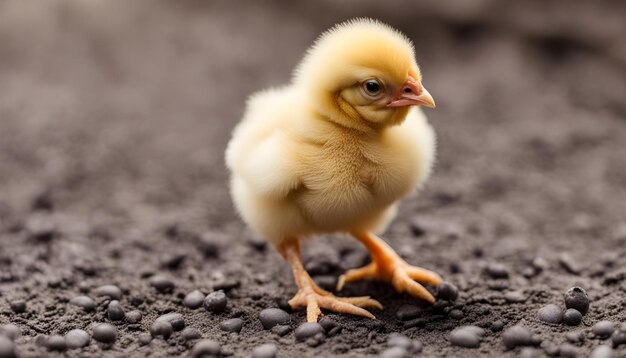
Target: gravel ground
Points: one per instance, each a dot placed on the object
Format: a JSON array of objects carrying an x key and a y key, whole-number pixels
[{"x": 118, "y": 238}]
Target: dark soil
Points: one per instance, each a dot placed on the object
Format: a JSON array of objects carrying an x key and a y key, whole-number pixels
[{"x": 113, "y": 122}]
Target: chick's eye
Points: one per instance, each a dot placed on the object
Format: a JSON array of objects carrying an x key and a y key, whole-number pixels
[{"x": 372, "y": 87}]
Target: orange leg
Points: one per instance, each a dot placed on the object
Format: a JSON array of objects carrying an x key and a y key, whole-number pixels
[
  {"x": 313, "y": 297},
  {"x": 388, "y": 266}
]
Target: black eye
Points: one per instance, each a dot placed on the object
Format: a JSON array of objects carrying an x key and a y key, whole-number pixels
[{"x": 372, "y": 86}]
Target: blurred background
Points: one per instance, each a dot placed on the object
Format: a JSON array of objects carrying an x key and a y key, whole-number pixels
[{"x": 114, "y": 116}]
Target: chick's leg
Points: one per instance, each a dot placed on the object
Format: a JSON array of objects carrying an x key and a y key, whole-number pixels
[
  {"x": 313, "y": 297},
  {"x": 388, "y": 266}
]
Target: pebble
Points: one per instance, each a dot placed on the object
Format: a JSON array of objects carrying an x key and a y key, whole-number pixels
[
  {"x": 145, "y": 338},
  {"x": 618, "y": 338},
  {"x": 394, "y": 352},
  {"x": 205, "y": 347},
  {"x": 86, "y": 303},
  {"x": 528, "y": 352},
  {"x": 133, "y": 317},
  {"x": 7, "y": 348},
  {"x": 572, "y": 317},
  {"x": 515, "y": 297},
  {"x": 190, "y": 334},
  {"x": 10, "y": 330},
  {"x": 162, "y": 283},
  {"x": 308, "y": 329},
  {"x": 18, "y": 306},
  {"x": 447, "y": 291},
  {"x": 497, "y": 326},
  {"x": 267, "y": 350},
  {"x": 550, "y": 314},
  {"x": 105, "y": 333},
  {"x": 175, "y": 319},
  {"x": 456, "y": 314},
  {"x": 281, "y": 329},
  {"x": 56, "y": 343},
  {"x": 575, "y": 337},
  {"x": 271, "y": 317},
  {"x": 466, "y": 336},
  {"x": 516, "y": 336},
  {"x": 77, "y": 338},
  {"x": 111, "y": 291},
  {"x": 568, "y": 350},
  {"x": 603, "y": 329},
  {"x": 161, "y": 328},
  {"x": 329, "y": 324},
  {"x": 399, "y": 340},
  {"x": 569, "y": 264},
  {"x": 602, "y": 352},
  {"x": 408, "y": 312},
  {"x": 497, "y": 270},
  {"x": 576, "y": 298},
  {"x": 194, "y": 299},
  {"x": 115, "y": 311},
  {"x": 215, "y": 302},
  {"x": 232, "y": 325}
]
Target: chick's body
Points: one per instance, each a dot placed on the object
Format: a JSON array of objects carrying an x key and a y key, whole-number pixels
[
  {"x": 334, "y": 151},
  {"x": 295, "y": 174}
]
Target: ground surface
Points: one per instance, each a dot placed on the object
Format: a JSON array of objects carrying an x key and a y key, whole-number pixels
[{"x": 113, "y": 122}]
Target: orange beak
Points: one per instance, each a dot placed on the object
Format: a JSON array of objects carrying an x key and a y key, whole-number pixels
[{"x": 412, "y": 93}]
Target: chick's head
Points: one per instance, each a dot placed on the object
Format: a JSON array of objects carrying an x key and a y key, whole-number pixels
[{"x": 362, "y": 74}]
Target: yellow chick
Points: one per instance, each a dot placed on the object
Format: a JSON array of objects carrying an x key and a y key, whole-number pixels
[{"x": 333, "y": 152}]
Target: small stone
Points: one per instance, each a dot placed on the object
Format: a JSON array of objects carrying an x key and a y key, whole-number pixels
[
  {"x": 307, "y": 330},
  {"x": 569, "y": 264},
  {"x": 497, "y": 326},
  {"x": 516, "y": 336},
  {"x": 232, "y": 325},
  {"x": 568, "y": 350},
  {"x": 603, "y": 329},
  {"x": 205, "y": 347},
  {"x": 497, "y": 271},
  {"x": 115, "y": 311},
  {"x": 550, "y": 314},
  {"x": 572, "y": 317},
  {"x": 18, "y": 306},
  {"x": 190, "y": 334},
  {"x": 456, "y": 314},
  {"x": 394, "y": 352},
  {"x": 576, "y": 298},
  {"x": 56, "y": 343},
  {"x": 408, "y": 312},
  {"x": 447, "y": 291},
  {"x": 10, "y": 330},
  {"x": 271, "y": 317},
  {"x": 161, "y": 328},
  {"x": 618, "y": 338},
  {"x": 86, "y": 303},
  {"x": 528, "y": 352},
  {"x": 466, "y": 336},
  {"x": 175, "y": 319},
  {"x": 105, "y": 333},
  {"x": 77, "y": 338},
  {"x": 602, "y": 352},
  {"x": 267, "y": 350},
  {"x": 162, "y": 284},
  {"x": 194, "y": 299},
  {"x": 134, "y": 316},
  {"x": 7, "y": 348},
  {"x": 281, "y": 329},
  {"x": 515, "y": 297},
  {"x": 110, "y": 291},
  {"x": 215, "y": 302},
  {"x": 328, "y": 324},
  {"x": 145, "y": 338},
  {"x": 575, "y": 336},
  {"x": 399, "y": 340}
]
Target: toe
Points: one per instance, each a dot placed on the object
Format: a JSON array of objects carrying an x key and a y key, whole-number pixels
[
  {"x": 402, "y": 282},
  {"x": 364, "y": 302},
  {"x": 422, "y": 275},
  {"x": 335, "y": 305}
]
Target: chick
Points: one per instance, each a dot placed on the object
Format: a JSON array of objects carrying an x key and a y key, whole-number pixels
[{"x": 333, "y": 152}]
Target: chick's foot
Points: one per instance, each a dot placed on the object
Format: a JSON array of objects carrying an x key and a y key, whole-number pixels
[
  {"x": 314, "y": 298},
  {"x": 388, "y": 266}
]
